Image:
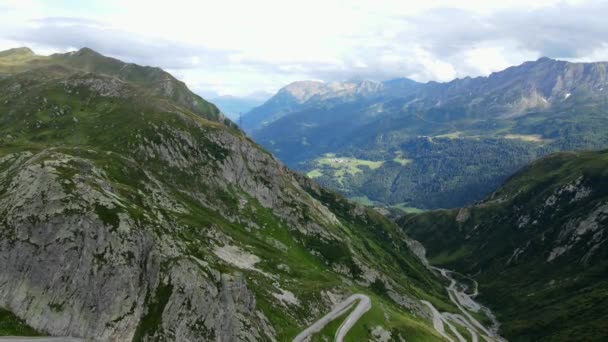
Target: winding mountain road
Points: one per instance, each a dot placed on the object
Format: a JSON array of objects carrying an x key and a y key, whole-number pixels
[
  {"x": 463, "y": 301},
  {"x": 466, "y": 304},
  {"x": 362, "y": 307}
]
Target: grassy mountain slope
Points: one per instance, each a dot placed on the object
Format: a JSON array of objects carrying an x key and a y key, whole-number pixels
[
  {"x": 450, "y": 132},
  {"x": 153, "y": 80},
  {"x": 538, "y": 247},
  {"x": 129, "y": 212}
]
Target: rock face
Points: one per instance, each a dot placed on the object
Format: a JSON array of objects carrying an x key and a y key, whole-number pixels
[
  {"x": 59, "y": 254},
  {"x": 126, "y": 214},
  {"x": 538, "y": 247},
  {"x": 76, "y": 264}
]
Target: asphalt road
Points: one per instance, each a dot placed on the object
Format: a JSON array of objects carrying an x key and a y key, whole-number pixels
[
  {"x": 362, "y": 307},
  {"x": 466, "y": 304}
]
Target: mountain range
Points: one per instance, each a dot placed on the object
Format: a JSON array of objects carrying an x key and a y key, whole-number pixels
[
  {"x": 132, "y": 209},
  {"x": 303, "y": 94},
  {"x": 432, "y": 145}
]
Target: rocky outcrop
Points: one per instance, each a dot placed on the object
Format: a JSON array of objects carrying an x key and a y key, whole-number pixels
[
  {"x": 67, "y": 269},
  {"x": 77, "y": 263}
]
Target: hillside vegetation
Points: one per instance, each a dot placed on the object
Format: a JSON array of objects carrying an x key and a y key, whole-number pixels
[{"x": 538, "y": 247}]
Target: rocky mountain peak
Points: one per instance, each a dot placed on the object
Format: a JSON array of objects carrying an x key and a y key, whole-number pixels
[
  {"x": 87, "y": 51},
  {"x": 304, "y": 90},
  {"x": 545, "y": 59}
]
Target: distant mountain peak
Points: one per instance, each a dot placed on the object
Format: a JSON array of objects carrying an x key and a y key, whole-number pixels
[
  {"x": 545, "y": 59},
  {"x": 24, "y": 51},
  {"x": 87, "y": 51},
  {"x": 86, "y": 60},
  {"x": 304, "y": 90}
]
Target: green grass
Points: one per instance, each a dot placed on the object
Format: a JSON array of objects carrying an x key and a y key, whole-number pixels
[
  {"x": 152, "y": 320},
  {"x": 451, "y": 135},
  {"x": 314, "y": 173},
  {"x": 447, "y": 257},
  {"x": 407, "y": 209},
  {"x": 400, "y": 323},
  {"x": 11, "y": 325},
  {"x": 346, "y": 165},
  {"x": 363, "y": 200},
  {"x": 329, "y": 331},
  {"x": 381, "y": 314},
  {"x": 402, "y": 161},
  {"x": 537, "y": 138}
]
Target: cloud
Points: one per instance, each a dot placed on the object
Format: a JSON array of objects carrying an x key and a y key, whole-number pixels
[
  {"x": 66, "y": 33},
  {"x": 239, "y": 47},
  {"x": 566, "y": 31},
  {"x": 562, "y": 30},
  {"x": 443, "y": 43}
]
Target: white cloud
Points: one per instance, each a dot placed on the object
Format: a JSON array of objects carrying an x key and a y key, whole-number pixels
[{"x": 240, "y": 47}]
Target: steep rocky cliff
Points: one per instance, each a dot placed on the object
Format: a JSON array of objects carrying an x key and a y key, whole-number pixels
[{"x": 129, "y": 212}]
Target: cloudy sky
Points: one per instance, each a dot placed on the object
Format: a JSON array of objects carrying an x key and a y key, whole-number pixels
[{"x": 240, "y": 47}]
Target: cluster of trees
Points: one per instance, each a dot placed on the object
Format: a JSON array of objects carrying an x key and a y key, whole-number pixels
[{"x": 443, "y": 172}]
